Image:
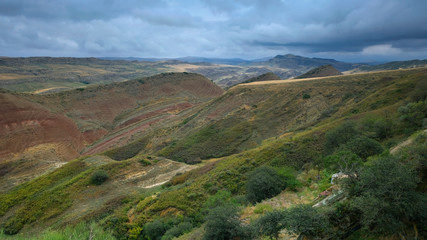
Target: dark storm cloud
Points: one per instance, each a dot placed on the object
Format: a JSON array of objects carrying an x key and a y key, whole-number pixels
[{"x": 364, "y": 29}]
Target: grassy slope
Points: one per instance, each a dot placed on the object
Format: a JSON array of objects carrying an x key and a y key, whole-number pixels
[
  {"x": 298, "y": 150},
  {"x": 30, "y": 74},
  {"x": 246, "y": 115},
  {"x": 113, "y": 107},
  {"x": 66, "y": 195},
  {"x": 322, "y": 71},
  {"x": 39, "y": 131},
  {"x": 378, "y": 94}
]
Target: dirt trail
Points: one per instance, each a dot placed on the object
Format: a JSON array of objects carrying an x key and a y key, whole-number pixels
[
  {"x": 134, "y": 178},
  {"x": 405, "y": 143},
  {"x": 316, "y": 78},
  {"x": 284, "y": 81}
]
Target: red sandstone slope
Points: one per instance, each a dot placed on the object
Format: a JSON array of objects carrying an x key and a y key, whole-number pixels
[
  {"x": 39, "y": 133},
  {"x": 25, "y": 124},
  {"x": 123, "y": 110}
]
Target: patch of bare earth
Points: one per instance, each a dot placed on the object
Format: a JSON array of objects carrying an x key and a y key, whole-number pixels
[
  {"x": 133, "y": 179},
  {"x": 31, "y": 163}
]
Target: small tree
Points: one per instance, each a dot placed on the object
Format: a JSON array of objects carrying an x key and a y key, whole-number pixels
[
  {"x": 177, "y": 230},
  {"x": 340, "y": 135},
  {"x": 308, "y": 221},
  {"x": 271, "y": 224},
  {"x": 343, "y": 161},
  {"x": 154, "y": 230},
  {"x": 223, "y": 223},
  {"x": 387, "y": 198},
  {"x": 99, "y": 177},
  {"x": 413, "y": 115},
  {"x": 364, "y": 146},
  {"x": 264, "y": 182}
]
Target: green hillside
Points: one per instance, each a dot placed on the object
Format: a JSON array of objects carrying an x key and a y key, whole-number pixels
[
  {"x": 322, "y": 71},
  {"x": 280, "y": 142},
  {"x": 395, "y": 65},
  {"x": 263, "y": 77}
]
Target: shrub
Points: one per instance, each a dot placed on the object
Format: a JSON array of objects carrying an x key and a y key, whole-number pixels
[
  {"x": 154, "y": 230},
  {"x": 376, "y": 127},
  {"x": 99, "y": 177},
  {"x": 177, "y": 230},
  {"x": 343, "y": 161},
  {"x": 223, "y": 223},
  {"x": 180, "y": 178},
  {"x": 289, "y": 174},
  {"x": 387, "y": 199},
  {"x": 308, "y": 221},
  {"x": 264, "y": 182},
  {"x": 145, "y": 162},
  {"x": 340, "y": 135},
  {"x": 363, "y": 146},
  {"x": 412, "y": 115},
  {"x": 220, "y": 198},
  {"x": 271, "y": 224}
]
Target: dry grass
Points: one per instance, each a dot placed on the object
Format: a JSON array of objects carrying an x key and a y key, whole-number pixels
[{"x": 13, "y": 76}]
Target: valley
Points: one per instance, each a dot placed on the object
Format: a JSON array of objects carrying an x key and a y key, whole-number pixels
[
  {"x": 171, "y": 149},
  {"x": 43, "y": 75}
]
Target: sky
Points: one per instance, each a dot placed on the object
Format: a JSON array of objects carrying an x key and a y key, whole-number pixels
[{"x": 347, "y": 30}]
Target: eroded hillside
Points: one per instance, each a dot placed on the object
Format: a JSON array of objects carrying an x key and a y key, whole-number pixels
[
  {"x": 249, "y": 113},
  {"x": 293, "y": 127},
  {"x": 42, "y": 132}
]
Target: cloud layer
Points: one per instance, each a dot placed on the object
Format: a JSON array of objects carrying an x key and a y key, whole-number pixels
[{"x": 349, "y": 30}]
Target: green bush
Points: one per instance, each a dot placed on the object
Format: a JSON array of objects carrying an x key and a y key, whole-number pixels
[
  {"x": 290, "y": 175},
  {"x": 220, "y": 198},
  {"x": 376, "y": 127},
  {"x": 264, "y": 182},
  {"x": 145, "y": 162},
  {"x": 343, "y": 161},
  {"x": 413, "y": 115},
  {"x": 387, "y": 198},
  {"x": 340, "y": 135},
  {"x": 98, "y": 177},
  {"x": 223, "y": 223},
  {"x": 271, "y": 224},
  {"x": 363, "y": 146},
  {"x": 154, "y": 230},
  {"x": 177, "y": 230},
  {"x": 308, "y": 221}
]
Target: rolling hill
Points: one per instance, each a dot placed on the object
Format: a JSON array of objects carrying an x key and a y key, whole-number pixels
[
  {"x": 43, "y": 75},
  {"x": 263, "y": 77},
  {"x": 59, "y": 127},
  {"x": 290, "y": 61},
  {"x": 394, "y": 65},
  {"x": 322, "y": 71},
  {"x": 141, "y": 135}
]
